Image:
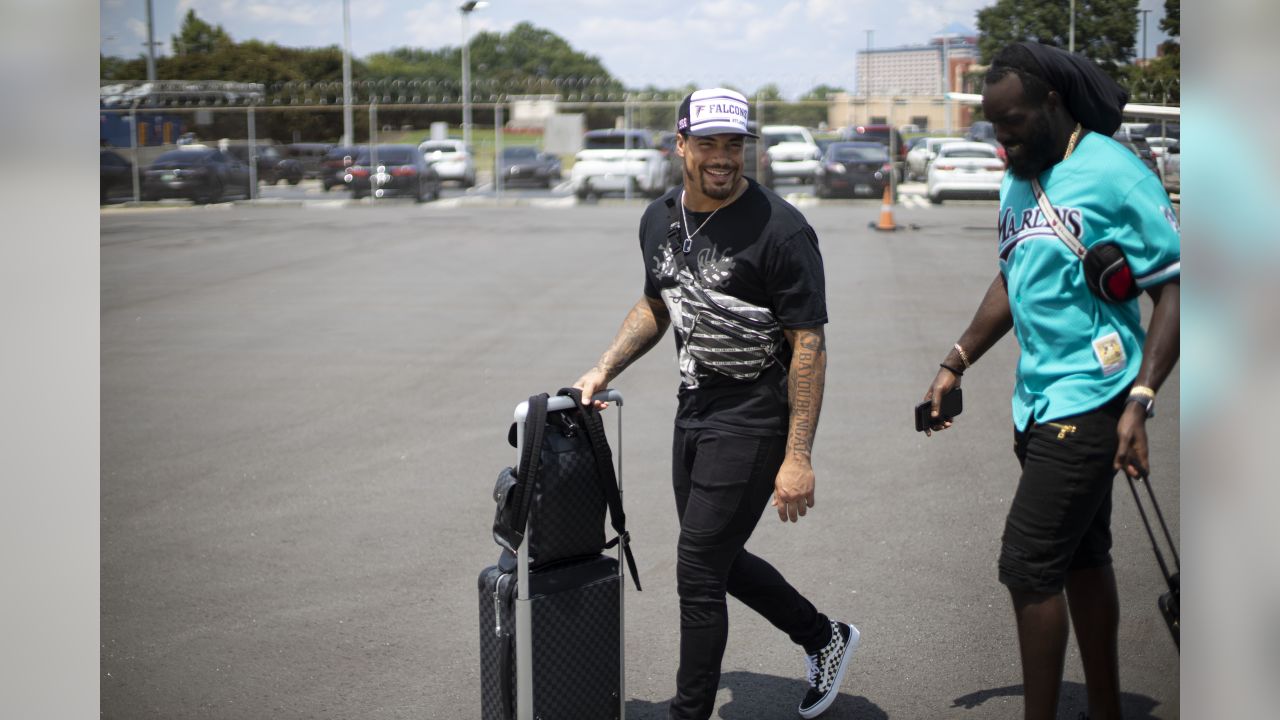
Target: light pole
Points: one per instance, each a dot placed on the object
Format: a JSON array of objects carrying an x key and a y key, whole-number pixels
[
  {"x": 151, "y": 46},
  {"x": 1145, "y": 13},
  {"x": 867, "y": 68},
  {"x": 946, "y": 82},
  {"x": 1071, "y": 40},
  {"x": 348, "y": 139},
  {"x": 466, "y": 9}
]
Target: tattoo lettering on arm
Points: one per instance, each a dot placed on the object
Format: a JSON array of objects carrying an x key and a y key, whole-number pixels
[{"x": 805, "y": 383}]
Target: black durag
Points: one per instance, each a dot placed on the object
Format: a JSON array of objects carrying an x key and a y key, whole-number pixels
[{"x": 1091, "y": 96}]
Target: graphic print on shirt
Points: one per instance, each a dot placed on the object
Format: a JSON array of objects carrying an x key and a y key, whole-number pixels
[
  {"x": 1031, "y": 223},
  {"x": 717, "y": 332}
]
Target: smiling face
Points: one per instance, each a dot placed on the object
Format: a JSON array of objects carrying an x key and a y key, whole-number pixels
[
  {"x": 712, "y": 168},
  {"x": 1028, "y": 131}
]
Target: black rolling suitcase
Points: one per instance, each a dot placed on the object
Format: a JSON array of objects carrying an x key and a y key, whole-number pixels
[{"x": 551, "y": 630}]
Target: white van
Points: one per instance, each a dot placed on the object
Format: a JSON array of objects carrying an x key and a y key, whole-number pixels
[{"x": 792, "y": 151}]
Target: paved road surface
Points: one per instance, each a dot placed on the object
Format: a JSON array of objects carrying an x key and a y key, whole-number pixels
[{"x": 304, "y": 409}]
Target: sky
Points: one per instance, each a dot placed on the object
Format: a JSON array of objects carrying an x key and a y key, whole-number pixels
[{"x": 795, "y": 44}]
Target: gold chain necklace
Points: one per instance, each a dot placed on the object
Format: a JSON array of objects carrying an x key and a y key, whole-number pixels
[{"x": 1071, "y": 144}]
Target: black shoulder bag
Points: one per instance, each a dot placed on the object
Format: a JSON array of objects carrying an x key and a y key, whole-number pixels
[
  {"x": 1106, "y": 269},
  {"x": 739, "y": 342}
]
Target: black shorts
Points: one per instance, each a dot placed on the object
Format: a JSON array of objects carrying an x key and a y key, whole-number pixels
[{"x": 1060, "y": 519}]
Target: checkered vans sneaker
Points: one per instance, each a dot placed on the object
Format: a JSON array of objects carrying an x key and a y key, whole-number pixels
[{"x": 826, "y": 669}]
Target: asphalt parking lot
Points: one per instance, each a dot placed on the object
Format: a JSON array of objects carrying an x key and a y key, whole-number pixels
[{"x": 304, "y": 407}]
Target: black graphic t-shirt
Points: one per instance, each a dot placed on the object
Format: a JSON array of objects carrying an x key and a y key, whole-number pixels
[{"x": 759, "y": 250}]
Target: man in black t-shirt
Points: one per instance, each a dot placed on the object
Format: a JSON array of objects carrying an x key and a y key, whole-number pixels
[{"x": 736, "y": 271}]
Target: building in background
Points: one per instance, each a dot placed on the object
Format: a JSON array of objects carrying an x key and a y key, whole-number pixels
[{"x": 907, "y": 86}]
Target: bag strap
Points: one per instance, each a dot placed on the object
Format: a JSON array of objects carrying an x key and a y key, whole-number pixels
[
  {"x": 1164, "y": 569},
  {"x": 1055, "y": 222},
  {"x": 675, "y": 227},
  {"x": 589, "y": 417},
  {"x": 535, "y": 425}
]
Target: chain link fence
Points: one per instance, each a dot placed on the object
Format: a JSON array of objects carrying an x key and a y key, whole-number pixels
[{"x": 145, "y": 120}]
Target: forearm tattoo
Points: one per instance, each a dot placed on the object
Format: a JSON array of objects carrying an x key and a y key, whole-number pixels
[
  {"x": 805, "y": 384},
  {"x": 640, "y": 331}
]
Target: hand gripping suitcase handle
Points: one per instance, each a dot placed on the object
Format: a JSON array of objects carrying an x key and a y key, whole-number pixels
[{"x": 564, "y": 402}]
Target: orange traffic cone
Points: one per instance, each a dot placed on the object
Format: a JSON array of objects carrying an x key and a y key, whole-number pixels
[{"x": 886, "y": 223}]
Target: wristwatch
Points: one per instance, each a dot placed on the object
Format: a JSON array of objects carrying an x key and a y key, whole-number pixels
[{"x": 1144, "y": 396}]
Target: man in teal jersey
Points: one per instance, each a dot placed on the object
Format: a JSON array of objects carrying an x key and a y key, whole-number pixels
[{"x": 1088, "y": 373}]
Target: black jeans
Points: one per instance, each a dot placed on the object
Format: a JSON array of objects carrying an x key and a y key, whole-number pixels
[{"x": 723, "y": 482}]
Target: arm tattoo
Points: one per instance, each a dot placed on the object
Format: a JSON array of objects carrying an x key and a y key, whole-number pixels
[
  {"x": 640, "y": 331},
  {"x": 805, "y": 383}
]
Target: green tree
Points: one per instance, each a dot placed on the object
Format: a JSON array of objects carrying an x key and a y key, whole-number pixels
[
  {"x": 198, "y": 36},
  {"x": 1171, "y": 23},
  {"x": 1159, "y": 81},
  {"x": 822, "y": 92},
  {"x": 1105, "y": 29}
]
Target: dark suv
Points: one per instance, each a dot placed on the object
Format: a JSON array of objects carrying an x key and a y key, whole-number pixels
[
  {"x": 882, "y": 135},
  {"x": 272, "y": 167},
  {"x": 308, "y": 155}
]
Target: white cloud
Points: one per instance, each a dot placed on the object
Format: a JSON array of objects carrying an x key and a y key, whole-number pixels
[
  {"x": 365, "y": 9},
  {"x": 137, "y": 27},
  {"x": 291, "y": 13}
]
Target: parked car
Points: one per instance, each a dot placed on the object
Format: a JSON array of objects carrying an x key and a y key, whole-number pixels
[
  {"x": 965, "y": 170},
  {"x": 333, "y": 167},
  {"x": 1172, "y": 177},
  {"x": 756, "y": 162},
  {"x": 115, "y": 176},
  {"x": 612, "y": 160},
  {"x": 1158, "y": 146},
  {"x": 393, "y": 170},
  {"x": 272, "y": 165},
  {"x": 1130, "y": 130},
  {"x": 524, "y": 164},
  {"x": 666, "y": 145},
  {"x": 793, "y": 153},
  {"x": 1137, "y": 144},
  {"x": 197, "y": 172},
  {"x": 309, "y": 156},
  {"x": 1164, "y": 129},
  {"x": 980, "y": 131},
  {"x": 453, "y": 160},
  {"x": 882, "y": 134},
  {"x": 919, "y": 157},
  {"x": 984, "y": 131},
  {"x": 853, "y": 169}
]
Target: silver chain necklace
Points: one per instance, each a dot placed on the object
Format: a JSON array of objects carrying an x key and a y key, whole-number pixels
[{"x": 688, "y": 236}]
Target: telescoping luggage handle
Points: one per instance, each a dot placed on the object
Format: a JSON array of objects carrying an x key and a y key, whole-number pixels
[
  {"x": 524, "y": 614},
  {"x": 1170, "y": 578}
]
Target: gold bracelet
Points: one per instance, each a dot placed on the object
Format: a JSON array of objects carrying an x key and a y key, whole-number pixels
[
  {"x": 1142, "y": 390},
  {"x": 964, "y": 357}
]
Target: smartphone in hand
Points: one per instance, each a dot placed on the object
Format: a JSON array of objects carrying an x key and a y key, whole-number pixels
[{"x": 952, "y": 404}]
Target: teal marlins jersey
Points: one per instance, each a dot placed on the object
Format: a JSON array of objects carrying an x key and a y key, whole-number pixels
[{"x": 1079, "y": 351}]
